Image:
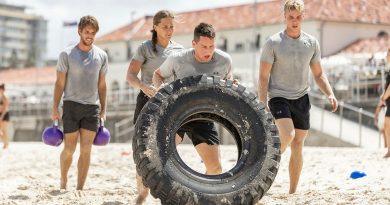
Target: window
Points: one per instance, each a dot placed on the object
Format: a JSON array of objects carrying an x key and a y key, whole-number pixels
[
  {"x": 108, "y": 54},
  {"x": 382, "y": 34},
  {"x": 224, "y": 45},
  {"x": 258, "y": 41},
  {"x": 239, "y": 46},
  {"x": 115, "y": 86},
  {"x": 126, "y": 86}
]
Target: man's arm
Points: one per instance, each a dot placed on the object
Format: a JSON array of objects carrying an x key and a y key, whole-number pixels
[
  {"x": 102, "y": 89},
  {"x": 166, "y": 70},
  {"x": 157, "y": 78},
  {"x": 58, "y": 91},
  {"x": 229, "y": 76},
  {"x": 5, "y": 107},
  {"x": 264, "y": 73},
  {"x": 323, "y": 83},
  {"x": 133, "y": 80}
]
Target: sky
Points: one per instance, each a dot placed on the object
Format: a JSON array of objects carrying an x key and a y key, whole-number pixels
[{"x": 111, "y": 14}]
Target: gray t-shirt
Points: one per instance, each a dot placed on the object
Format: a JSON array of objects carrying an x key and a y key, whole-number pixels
[
  {"x": 184, "y": 64},
  {"x": 151, "y": 60},
  {"x": 290, "y": 59},
  {"x": 83, "y": 70}
]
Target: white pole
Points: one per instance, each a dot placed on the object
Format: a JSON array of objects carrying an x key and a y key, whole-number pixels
[{"x": 254, "y": 62}]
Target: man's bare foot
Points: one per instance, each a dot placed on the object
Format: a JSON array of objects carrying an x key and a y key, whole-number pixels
[
  {"x": 387, "y": 155},
  {"x": 63, "y": 184},
  {"x": 5, "y": 146},
  {"x": 292, "y": 191}
]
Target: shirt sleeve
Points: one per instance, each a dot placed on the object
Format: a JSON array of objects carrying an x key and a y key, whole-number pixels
[
  {"x": 317, "y": 53},
  {"x": 167, "y": 69},
  {"x": 140, "y": 54},
  {"x": 104, "y": 67},
  {"x": 62, "y": 63},
  {"x": 267, "y": 53}
]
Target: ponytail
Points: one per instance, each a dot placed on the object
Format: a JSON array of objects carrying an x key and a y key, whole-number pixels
[{"x": 154, "y": 39}]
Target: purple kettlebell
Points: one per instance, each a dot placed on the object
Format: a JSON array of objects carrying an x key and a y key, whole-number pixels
[
  {"x": 52, "y": 135},
  {"x": 102, "y": 136}
]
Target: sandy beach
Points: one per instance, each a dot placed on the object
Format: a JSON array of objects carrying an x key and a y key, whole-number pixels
[{"x": 29, "y": 174}]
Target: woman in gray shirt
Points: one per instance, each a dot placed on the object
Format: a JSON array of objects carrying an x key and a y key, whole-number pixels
[{"x": 149, "y": 56}]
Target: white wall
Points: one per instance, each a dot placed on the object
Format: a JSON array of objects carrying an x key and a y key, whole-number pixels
[
  {"x": 336, "y": 36},
  {"x": 332, "y": 36},
  {"x": 117, "y": 50},
  {"x": 117, "y": 71}
]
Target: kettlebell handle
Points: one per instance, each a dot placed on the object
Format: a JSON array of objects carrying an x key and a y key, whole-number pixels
[
  {"x": 101, "y": 122},
  {"x": 55, "y": 123}
]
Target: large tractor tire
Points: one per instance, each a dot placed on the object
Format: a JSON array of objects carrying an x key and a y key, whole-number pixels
[{"x": 206, "y": 98}]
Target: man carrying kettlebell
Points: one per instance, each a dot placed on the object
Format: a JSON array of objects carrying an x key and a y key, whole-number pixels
[{"x": 81, "y": 73}]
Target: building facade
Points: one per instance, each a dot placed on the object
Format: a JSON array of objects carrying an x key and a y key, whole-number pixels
[
  {"x": 242, "y": 30},
  {"x": 22, "y": 37}
]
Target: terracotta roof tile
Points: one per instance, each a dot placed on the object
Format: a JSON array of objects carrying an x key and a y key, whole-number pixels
[
  {"x": 28, "y": 76},
  {"x": 241, "y": 16},
  {"x": 368, "y": 45},
  {"x": 126, "y": 31}
]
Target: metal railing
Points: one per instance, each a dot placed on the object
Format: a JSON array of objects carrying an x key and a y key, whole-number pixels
[
  {"x": 36, "y": 112},
  {"x": 360, "y": 112},
  {"x": 117, "y": 101},
  {"x": 124, "y": 128},
  {"x": 121, "y": 103}
]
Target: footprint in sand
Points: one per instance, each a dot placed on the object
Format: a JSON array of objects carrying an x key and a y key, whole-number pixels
[
  {"x": 79, "y": 194},
  {"x": 19, "y": 197},
  {"x": 333, "y": 188},
  {"x": 22, "y": 187},
  {"x": 108, "y": 193},
  {"x": 57, "y": 192},
  {"x": 95, "y": 175},
  {"x": 112, "y": 203}
]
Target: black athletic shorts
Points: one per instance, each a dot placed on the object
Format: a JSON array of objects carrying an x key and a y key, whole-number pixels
[
  {"x": 298, "y": 110},
  {"x": 142, "y": 99},
  {"x": 387, "y": 105},
  {"x": 200, "y": 132},
  {"x": 77, "y": 115},
  {"x": 6, "y": 116}
]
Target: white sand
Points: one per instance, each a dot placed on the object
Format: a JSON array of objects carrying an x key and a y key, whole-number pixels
[{"x": 29, "y": 174}]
